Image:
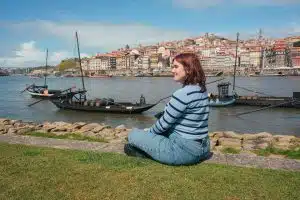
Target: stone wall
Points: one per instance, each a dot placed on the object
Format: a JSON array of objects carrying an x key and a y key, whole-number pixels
[{"x": 219, "y": 140}]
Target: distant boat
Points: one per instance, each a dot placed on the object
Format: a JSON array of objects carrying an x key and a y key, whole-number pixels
[
  {"x": 3, "y": 72},
  {"x": 68, "y": 75},
  {"x": 42, "y": 91},
  {"x": 100, "y": 76}
]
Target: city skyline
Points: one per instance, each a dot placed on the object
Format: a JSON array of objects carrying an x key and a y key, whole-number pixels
[{"x": 105, "y": 26}]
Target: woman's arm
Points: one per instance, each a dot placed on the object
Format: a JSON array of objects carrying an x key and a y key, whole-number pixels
[{"x": 174, "y": 110}]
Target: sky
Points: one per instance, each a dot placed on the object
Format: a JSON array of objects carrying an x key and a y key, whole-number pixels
[{"x": 28, "y": 28}]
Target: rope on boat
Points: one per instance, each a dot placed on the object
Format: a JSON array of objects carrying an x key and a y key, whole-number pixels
[
  {"x": 171, "y": 95},
  {"x": 27, "y": 88},
  {"x": 249, "y": 90}
]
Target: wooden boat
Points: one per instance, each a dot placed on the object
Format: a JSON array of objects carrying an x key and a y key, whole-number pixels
[
  {"x": 222, "y": 102},
  {"x": 283, "y": 102},
  {"x": 100, "y": 76},
  {"x": 76, "y": 100},
  {"x": 42, "y": 91},
  {"x": 223, "y": 98},
  {"x": 101, "y": 105},
  {"x": 3, "y": 72}
]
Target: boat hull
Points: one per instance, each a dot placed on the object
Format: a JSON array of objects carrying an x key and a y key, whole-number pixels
[
  {"x": 222, "y": 103},
  {"x": 121, "y": 108},
  {"x": 284, "y": 102}
]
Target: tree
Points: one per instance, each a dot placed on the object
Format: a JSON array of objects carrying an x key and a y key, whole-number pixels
[
  {"x": 66, "y": 64},
  {"x": 296, "y": 44}
]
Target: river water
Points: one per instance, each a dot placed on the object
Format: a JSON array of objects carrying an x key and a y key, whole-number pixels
[{"x": 13, "y": 104}]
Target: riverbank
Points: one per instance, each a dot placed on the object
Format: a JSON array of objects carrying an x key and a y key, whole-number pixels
[{"x": 263, "y": 143}]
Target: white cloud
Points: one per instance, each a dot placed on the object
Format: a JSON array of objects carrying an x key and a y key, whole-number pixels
[
  {"x": 104, "y": 36},
  {"x": 93, "y": 37},
  {"x": 29, "y": 55},
  {"x": 212, "y": 3}
]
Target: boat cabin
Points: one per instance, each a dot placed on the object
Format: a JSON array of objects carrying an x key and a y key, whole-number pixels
[{"x": 223, "y": 90}]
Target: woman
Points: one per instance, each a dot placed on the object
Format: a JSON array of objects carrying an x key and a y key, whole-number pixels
[{"x": 180, "y": 135}]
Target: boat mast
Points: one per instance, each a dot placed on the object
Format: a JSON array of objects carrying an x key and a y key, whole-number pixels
[
  {"x": 80, "y": 62},
  {"x": 45, "y": 75},
  {"x": 235, "y": 62}
]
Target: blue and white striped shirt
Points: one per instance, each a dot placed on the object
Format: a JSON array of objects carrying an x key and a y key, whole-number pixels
[{"x": 185, "y": 114}]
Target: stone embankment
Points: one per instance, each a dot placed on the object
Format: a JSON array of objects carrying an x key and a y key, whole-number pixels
[{"x": 219, "y": 140}]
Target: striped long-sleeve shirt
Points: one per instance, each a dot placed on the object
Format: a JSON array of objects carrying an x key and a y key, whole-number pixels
[{"x": 185, "y": 114}]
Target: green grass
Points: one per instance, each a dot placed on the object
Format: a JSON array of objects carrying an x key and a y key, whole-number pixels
[
  {"x": 230, "y": 150},
  {"x": 72, "y": 136},
  {"x": 294, "y": 154},
  {"x": 44, "y": 173}
]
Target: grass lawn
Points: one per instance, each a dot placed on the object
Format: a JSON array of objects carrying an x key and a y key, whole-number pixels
[{"x": 44, "y": 173}]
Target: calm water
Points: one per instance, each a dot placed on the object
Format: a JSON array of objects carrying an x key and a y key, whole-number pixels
[{"x": 280, "y": 121}]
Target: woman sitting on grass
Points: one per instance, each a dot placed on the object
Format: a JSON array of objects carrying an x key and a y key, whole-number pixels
[{"x": 180, "y": 135}]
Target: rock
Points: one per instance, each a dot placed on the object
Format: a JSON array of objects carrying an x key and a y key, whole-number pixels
[
  {"x": 284, "y": 142},
  {"x": 295, "y": 142},
  {"x": 12, "y": 131},
  {"x": 13, "y": 122},
  {"x": 283, "y": 138},
  {"x": 122, "y": 127},
  {"x": 106, "y": 133},
  {"x": 231, "y": 134},
  {"x": 47, "y": 127},
  {"x": 262, "y": 145},
  {"x": 60, "y": 126},
  {"x": 59, "y": 129},
  {"x": 4, "y": 121},
  {"x": 25, "y": 129},
  {"x": 213, "y": 143},
  {"x": 229, "y": 142},
  {"x": 147, "y": 129},
  {"x": 78, "y": 125},
  {"x": 248, "y": 146},
  {"x": 211, "y": 134},
  {"x": 99, "y": 128},
  {"x": 257, "y": 136},
  {"x": 88, "y": 127},
  {"x": 218, "y": 134},
  {"x": 2, "y": 127},
  {"x": 122, "y": 134}
]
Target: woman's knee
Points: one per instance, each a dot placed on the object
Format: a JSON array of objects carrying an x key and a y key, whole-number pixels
[{"x": 135, "y": 135}]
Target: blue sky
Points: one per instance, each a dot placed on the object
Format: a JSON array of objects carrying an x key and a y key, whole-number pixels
[{"x": 27, "y": 28}]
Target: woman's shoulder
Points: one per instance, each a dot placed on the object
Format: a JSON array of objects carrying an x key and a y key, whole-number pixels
[
  {"x": 189, "y": 89},
  {"x": 190, "y": 93}
]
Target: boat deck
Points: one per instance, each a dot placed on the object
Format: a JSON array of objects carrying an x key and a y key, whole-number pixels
[{"x": 267, "y": 101}]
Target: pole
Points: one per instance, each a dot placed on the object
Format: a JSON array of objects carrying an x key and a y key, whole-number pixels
[
  {"x": 45, "y": 75},
  {"x": 80, "y": 61},
  {"x": 235, "y": 62}
]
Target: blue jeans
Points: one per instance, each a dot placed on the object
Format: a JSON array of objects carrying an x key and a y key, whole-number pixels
[{"x": 172, "y": 149}]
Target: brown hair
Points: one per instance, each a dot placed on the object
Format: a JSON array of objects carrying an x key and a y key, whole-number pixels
[{"x": 193, "y": 69}]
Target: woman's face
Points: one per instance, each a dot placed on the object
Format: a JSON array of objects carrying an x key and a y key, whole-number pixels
[{"x": 178, "y": 72}]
